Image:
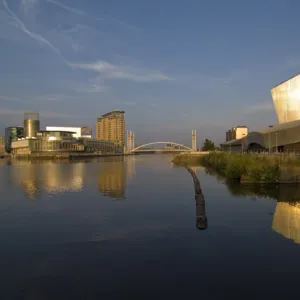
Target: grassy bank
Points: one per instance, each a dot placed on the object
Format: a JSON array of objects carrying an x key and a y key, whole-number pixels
[{"x": 250, "y": 168}]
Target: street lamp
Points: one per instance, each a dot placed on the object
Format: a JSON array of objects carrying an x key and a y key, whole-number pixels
[
  {"x": 271, "y": 126},
  {"x": 243, "y": 142}
]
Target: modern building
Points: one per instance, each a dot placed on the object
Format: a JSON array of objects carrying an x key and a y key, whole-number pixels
[
  {"x": 281, "y": 137},
  {"x": 12, "y": 134},
  {"x": 284, "y": 137},
  {"x": 31, "y": 124},
  {"x": 79, "y": 132},
  {"x": 101, "y": 147},
  {"x": 236, "y": 133},
  {"x": 2, "y": 145},
  {"x": 111, "y": 127},
  {"x": 47, "y": 142},
  {"x": 286, "y": 98}
]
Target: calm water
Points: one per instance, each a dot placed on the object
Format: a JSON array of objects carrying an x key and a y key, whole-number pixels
[{"x": 126, "y": 229}]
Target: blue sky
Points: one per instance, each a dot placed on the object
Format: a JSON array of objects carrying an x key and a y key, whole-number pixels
[{"x": 172, "y": 65}]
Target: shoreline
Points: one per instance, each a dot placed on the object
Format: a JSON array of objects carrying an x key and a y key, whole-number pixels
[
  {"x": 68, "y": 156},
  {"x": 247, "y": 169}
]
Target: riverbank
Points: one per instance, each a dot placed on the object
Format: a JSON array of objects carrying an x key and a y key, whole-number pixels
[
  {"x": 249, "y": 168},
  {"x": 66, "y": 155}
]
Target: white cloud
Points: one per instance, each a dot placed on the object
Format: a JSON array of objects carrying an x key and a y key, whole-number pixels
[
  {"x": 29, "y": 5},
  {"x": 112, "y": 71},
  {"x": 35, "y": 36},
  {"x": 52, "y": 97},
  {"x": 12, "y": 99},
  {"x": 104, "y": 17},
  {"x": 66, "y": 7},
  {"x": 43, "y": 114},
  {"x": 259, "y": 107}
]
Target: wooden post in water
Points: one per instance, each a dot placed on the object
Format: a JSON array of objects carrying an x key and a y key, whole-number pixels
[{"x": 201, "y": 218}]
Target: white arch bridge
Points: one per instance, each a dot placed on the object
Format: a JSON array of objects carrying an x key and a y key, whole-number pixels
[{"x": 174, "y": 147}]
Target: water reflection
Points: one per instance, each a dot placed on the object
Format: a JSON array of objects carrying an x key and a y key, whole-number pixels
[
  {"x": 286, "y": 218},
  {"x": 36, "y": 177},
  {"x": 201, "y": 218},
  {"x": 112, "y": 179}
]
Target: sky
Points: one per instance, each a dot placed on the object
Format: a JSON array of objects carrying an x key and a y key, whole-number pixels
[{"x": 171, "y": 65}]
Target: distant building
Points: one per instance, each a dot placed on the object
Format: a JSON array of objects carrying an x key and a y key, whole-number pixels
[
  {"x": 286, "y": 99},
  {"x": 31, "y": 124},
  {"x": 236, "y": 133},
  {"x": 111, "y": 127},
  {"x": 101, "y": 147},
  {"x": 2, "y": 145},
  {"x": 12, "y": 134},
  {"x": 79, "y": 132},
  {"x": 47, "y": 142}
]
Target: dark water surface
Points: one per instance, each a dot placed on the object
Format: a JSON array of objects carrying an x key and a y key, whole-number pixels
[{"x": 126, "y": 229}]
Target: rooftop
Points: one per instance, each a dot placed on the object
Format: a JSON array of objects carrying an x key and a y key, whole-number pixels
[
  {"x": 67, "y": 126},
  {"x": 278, "y": 127},
  {"x": 112, "y": 113},
  {"x": 285, "y": 81},
  {"x": 232, "y": 142},
  {"x": 60, "y": 131}
]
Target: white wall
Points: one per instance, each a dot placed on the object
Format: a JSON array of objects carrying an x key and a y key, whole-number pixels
[{"x": 77, "y": 130}]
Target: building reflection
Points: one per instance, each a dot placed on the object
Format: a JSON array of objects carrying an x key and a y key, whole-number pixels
[
  {"x": 37, "y": 177},
  {"x": 112, "y": 179},
  {"x": 286, "y": 219},
  {"x": 130, "y": 165}
]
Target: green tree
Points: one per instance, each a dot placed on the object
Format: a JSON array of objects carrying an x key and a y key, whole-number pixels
[{"x": 208, "y": 145}]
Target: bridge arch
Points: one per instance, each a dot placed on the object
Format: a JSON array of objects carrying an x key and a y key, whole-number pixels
[{"x": 155, "y": 143}]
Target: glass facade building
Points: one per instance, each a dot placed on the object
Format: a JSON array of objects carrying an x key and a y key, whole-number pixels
[
  {"x": 286, "y": 98},
  {"x": 12, "y": 134}
]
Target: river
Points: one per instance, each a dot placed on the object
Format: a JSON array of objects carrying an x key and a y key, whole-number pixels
[{"x": 127, "y": 228}]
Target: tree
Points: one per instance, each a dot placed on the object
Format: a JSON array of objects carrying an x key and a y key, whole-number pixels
[{"x": 208, "y": 145}]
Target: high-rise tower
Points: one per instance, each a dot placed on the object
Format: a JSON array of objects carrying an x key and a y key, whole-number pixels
[{"x": 111, "y": 127}]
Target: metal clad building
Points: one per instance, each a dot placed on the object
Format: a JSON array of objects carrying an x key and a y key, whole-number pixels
[
  {"x": 286, "y": 98},
  {"x": 31, "y": 124}
]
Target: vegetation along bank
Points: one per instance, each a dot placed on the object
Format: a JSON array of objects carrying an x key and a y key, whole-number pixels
[{"x": 248, "y": 168}]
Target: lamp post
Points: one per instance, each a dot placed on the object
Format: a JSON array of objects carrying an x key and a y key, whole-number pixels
[
  {"x": 277, "y": 142},
  {"x": 270, "y": 139},
  {"x": 243, "y": 143}
]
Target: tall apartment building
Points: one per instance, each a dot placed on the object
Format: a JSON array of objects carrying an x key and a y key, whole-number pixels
[
  {"x": 111, "y": 127},
  {"x": 236, "y": 133}
]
